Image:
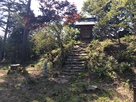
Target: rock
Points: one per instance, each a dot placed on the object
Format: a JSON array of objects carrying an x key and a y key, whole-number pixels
[{"x": 60, "y": 80}]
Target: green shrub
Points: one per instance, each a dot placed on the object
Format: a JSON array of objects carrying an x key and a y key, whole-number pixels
[
  {"x": 68, "y": 47},
  {"x": 124, "y": 56},
  {"x": 106, "y": 46},
  {"x": 123, "y": 67},
  {"x": 100, "y": 63},
  {"x": 128, "y": 38},
  {"x": 127, "y": 55},
  {"x": 94, "y": 44},
  {"x": 103, "y": 65}
]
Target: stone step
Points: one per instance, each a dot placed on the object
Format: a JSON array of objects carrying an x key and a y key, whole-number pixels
[
  {"x": 75, "y": 59},
  {"x": 73, "y": 70},
  {"x": 83, "y": 54},
  {"x": 81, "y": 45},
  {"x": 77, "y": 43},
  {"x": 74, "y": 62},
  {"x": 70, "y": 73},
  {"x": 73, "y": 66},
  {"x": 77, "y": 49},
  {"x": 80, "y": 54},
  {"x": 75, "y": 53},
  {"x": 76, "y": 46}
]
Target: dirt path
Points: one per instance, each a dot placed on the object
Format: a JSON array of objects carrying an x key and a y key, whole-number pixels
[
  {"x": 2, "y": 74},
  {"x": 34, "y": 72}
]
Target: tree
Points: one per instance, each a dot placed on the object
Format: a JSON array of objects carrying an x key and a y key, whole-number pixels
[
  {"x": 113, "y": 16},
  {"x": 94, "y": 7},
  {"x": 8, "y": 9},
  {"x": 26, "y": 31},
  {"x": 131, "y": 7},
  {"x": 8, "y": 4},
  {"x": 14, "y": 44},
  {"x": 44, "y": 41},
  {"x": 56, "y": 14}
]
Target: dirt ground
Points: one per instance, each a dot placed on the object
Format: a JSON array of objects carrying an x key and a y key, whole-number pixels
[{"x": 15, "y": 84}]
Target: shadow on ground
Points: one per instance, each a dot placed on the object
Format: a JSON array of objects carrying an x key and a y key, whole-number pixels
[{"x": 19, "y": 88}]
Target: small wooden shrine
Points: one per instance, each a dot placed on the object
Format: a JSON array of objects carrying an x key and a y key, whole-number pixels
[{"x": 85, "y": 26}]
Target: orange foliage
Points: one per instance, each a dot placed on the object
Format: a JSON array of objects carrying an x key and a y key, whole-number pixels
[
  {"x": 72, "y": 18},
  {"x": 26, "y": 20}
]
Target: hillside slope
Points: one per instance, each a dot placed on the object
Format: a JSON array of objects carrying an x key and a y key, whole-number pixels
[{"x": 109, "y": 75}]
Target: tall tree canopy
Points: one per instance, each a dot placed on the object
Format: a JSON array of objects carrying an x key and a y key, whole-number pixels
[{"x": 113, "y": 16}]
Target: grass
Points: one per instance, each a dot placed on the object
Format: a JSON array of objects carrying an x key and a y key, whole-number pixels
[{"x": 34, "y": 87}]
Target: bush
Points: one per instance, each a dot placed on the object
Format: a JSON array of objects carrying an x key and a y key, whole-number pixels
[
  {"x": 106, "y": 47},
  {"x": 124, "y": 56},
  {"x": 127, "y": 55},
  {"x": 68, "y": 47},
  {"x": 102, "y": 65},
  {"x": 123, "y": 67},
  {"x": 94, "y": 43},
  {"x": 128, "y": 38}
]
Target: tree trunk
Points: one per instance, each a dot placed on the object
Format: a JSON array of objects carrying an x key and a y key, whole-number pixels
[
  {"x": 25, "y": 35},
  {"x": 24, "y": 46},
  {"x": 59, "y": 39},
  {"x": 61, "y": 46}
]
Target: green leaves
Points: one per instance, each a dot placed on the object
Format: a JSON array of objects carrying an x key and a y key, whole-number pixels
[
  {"x": 44, "y": 42},
  {"x": 112, "y": 16}
]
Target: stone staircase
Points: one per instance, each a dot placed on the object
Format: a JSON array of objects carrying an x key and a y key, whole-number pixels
[{"x": 74, "y": 63}]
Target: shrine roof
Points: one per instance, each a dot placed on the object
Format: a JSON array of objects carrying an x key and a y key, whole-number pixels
[{"x": 91, "y": 20}]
